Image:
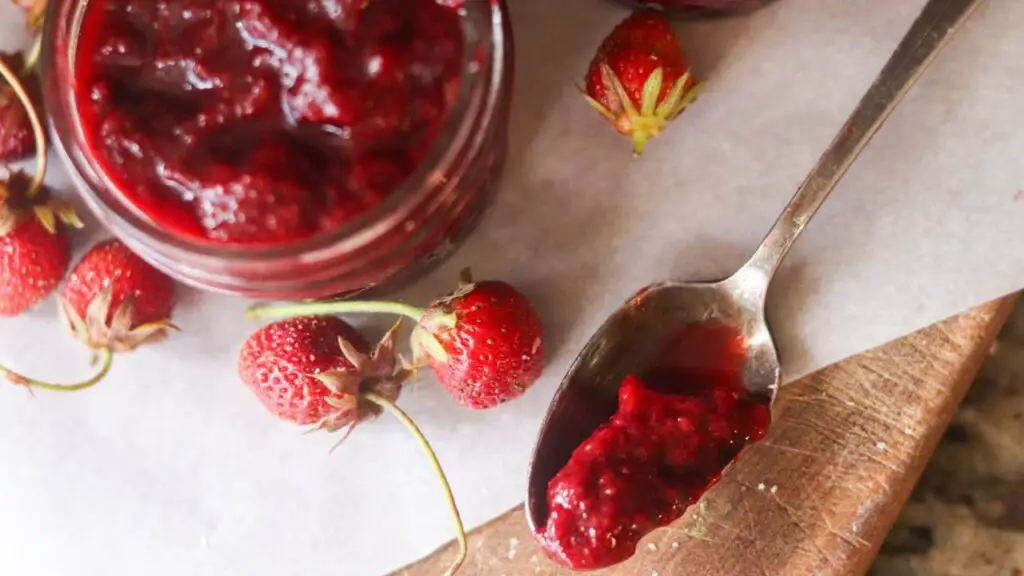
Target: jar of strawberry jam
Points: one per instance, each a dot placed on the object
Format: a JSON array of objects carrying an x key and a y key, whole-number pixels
[
  {"x": 699, "y": 8},
  {"x": 282, "y": 149}
]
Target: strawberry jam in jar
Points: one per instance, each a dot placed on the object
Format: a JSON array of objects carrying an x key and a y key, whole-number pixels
[
  {"x": 699, "y": 8},
  {"x": 281, "y": 149}
]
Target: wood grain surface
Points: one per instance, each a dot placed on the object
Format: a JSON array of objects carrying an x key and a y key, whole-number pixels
[{"x": 819, "y": 494}]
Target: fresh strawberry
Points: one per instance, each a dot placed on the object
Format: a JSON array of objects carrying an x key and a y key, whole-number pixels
[
  {"x": 311, "y": 370},
  {"x": 32, "y": 262},
  {"x": 485, "y": 341},
  {"x": 34, "y": 249},
  {"x": 639, "y": 80},
  {"x": 17, "y": 138},
  {"x": 115, "y": 300},
  {"x": 316, "y": 370}
]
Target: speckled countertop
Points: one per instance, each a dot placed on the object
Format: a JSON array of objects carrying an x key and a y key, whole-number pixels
[{"x": 966, "y": 516}]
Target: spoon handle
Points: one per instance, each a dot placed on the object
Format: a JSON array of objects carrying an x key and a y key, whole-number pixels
[{"x": 938, "y": 21}]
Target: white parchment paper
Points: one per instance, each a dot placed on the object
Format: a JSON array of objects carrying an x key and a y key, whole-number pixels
[{"x": 172, "y": 468}]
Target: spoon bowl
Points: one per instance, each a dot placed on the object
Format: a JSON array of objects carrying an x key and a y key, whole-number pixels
[
  {"x": 630, "y": 341},
  {"x": 633, "y": 337}
]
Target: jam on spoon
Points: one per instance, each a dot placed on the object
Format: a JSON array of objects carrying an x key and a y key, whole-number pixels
[{"x": 676, "y": 428}]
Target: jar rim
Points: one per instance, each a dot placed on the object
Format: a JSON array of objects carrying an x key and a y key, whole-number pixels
[{"x": 483, "y": 25}]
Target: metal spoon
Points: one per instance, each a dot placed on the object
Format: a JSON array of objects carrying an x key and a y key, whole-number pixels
[{"x": 629, "y": 339}]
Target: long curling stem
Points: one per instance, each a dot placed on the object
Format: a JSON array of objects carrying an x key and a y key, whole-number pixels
[
  {"x": 460, "y": 530},
  {"x": 37, "y": 126},
  {"x": 271, "y": 311},
  {"x": 105, "y": 354}
]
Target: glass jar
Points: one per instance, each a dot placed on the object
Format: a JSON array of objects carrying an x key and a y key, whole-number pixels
[
  {"x": 699, "y": 8},
  {"x": 415, "y": 227}
]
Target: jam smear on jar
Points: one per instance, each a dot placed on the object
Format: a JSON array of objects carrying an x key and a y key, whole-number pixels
[
  {"x": 677, "y": 426},
  {"x": 263, "y": 121}
]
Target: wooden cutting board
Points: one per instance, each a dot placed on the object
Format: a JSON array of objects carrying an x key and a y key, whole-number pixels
[{"x": 819, "y": 494}]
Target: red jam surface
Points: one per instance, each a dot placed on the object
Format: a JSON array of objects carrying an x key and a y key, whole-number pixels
[
  {"x": 263, "y": 121},
  {"x": 674, "y": 432}
]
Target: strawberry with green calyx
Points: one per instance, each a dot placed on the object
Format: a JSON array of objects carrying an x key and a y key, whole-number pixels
[
  {"x": 34, "y": 248},
  {"x": 640, "y": 80},
  {"x": 484, "y": 341},
  {"x": 318, "y": 371},
  {"x": 113, "y": 301}
]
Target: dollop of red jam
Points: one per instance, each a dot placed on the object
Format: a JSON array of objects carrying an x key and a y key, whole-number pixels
[
  {"x": 263, "y": 121},
  {"x": 674, "y": 432}
]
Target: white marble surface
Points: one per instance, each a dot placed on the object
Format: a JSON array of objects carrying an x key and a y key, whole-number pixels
[{"x": 171, "y": 467}]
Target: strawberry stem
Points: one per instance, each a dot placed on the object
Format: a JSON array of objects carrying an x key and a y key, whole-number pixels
[
  {"x": 280, "y": 311},
  {"x": 105, "y": 354},
  {"x": 37, "y": 126},
  {"x": 460, "y": 530}
]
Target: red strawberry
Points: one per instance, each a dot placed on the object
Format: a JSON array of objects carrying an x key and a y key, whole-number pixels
[
  {"x": 310, "y": 371},
  {"x": 34, "y": 251},
  {"x": 115, "y": 300},
  {"x": 17, "y": 138},
  {"x": 32, "y": 262},
  {"x": 485, "y": 341},
  {"x": 316, "y": 370},
  {"x": 639, "y": 80}
]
